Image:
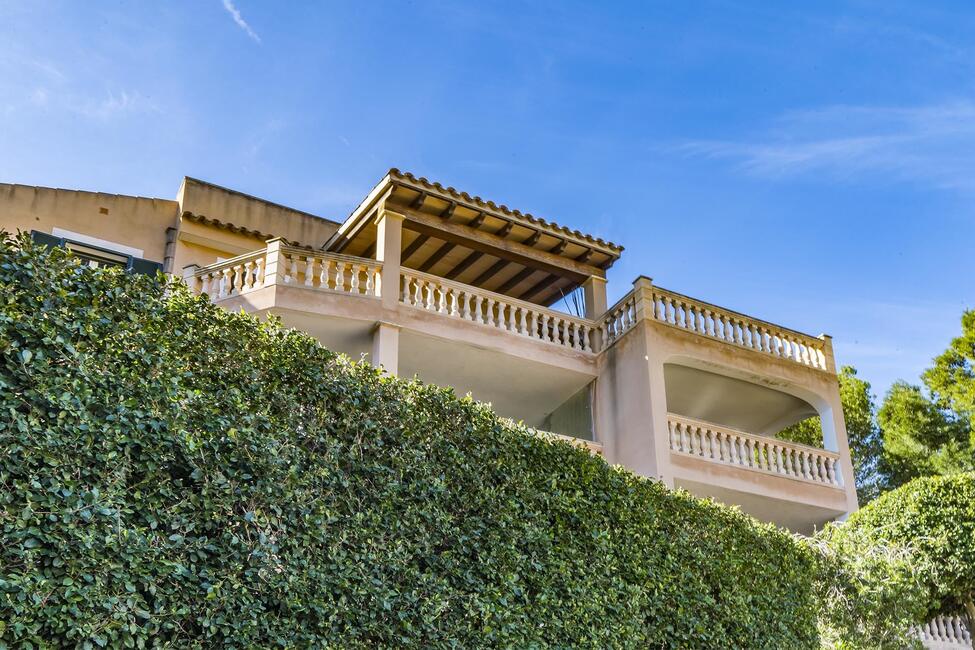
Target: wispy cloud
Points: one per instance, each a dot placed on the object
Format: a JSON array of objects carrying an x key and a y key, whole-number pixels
[
  {"x": 235, "y": 14},
  {"x": 932, "y": 145}
]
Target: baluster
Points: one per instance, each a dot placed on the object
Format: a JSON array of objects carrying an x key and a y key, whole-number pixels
[
  {"x": 722, "y": 456},
  {"x": 235, "y": 278},
  {"x": 309, "y": 270},
  {"x": 710, "y": 450},
  {"x": 566, "y": 341},
  {"x": 405, "y": 293},
  {"x": 489, "y": 312},
  {"x": 370, "y": 280},
  {"x": 417, "y": 292},
  {"x": 521, "y": 321},
  {"x": 356, "y": 286},
  {"x": 684, "y": 438},
  {"x": 478, "y": 316},
  {"x": 673, "y": 438},
  {"x": 248, "y": 275},
  {"x": 323, "y": 273},
  {"x": 204, "y": 284},
  {"x": 831, "y": 470},
  {"x": 533, "y": 325},
  {"x": 511, "y": 318},
  {"x": 226, "y": 288},
  {"x": 441, "y": 297},
  {"x": 339, "y": 275},
  {"x": 545, "y": 334}
]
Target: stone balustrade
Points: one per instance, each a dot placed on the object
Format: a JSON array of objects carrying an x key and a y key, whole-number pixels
[
  {"x": 945, "y": 632},
  {"x": 737, "y": 329},
  {"x": 455, "y": 300},
  {"x": 230, "y": 277},
  {"x": 618, "y": 319},
  {"x": 761, "y": 453},
  {"x": 295, "y": 266}
]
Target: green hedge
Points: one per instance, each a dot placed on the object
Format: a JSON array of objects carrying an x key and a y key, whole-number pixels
[
  {"x": 175, "y": 474},
  {"x": 933, "y": 517}
]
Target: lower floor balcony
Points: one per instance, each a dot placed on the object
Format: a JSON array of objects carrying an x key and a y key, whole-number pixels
[{"x": 797, "y": 486}]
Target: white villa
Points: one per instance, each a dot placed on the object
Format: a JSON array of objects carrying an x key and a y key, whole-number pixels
[{"x": 426, "y": 280}]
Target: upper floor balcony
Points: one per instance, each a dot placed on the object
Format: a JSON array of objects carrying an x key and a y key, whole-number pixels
[{"x": 430, "y": 282}]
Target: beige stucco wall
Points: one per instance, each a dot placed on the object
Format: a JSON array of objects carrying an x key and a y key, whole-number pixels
[
  {"x": 134, "y": 221},
  {"x": 242, "y": 210}
]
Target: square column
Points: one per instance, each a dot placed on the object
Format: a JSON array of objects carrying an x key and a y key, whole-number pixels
[
  {"x": 389, "y": 243},
  {"x": 631, "y": 398},
  {"x": 594, "y": 290},
  {"x": 385, "y": 347}
]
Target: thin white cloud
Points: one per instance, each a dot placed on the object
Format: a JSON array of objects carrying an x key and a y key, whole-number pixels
[
  {"x": 235, "y": 14},
  {"x": 932, "y": 145}
]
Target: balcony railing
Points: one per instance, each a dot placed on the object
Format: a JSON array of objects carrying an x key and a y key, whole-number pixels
[
  {"x": 359, "y": 276},
  {"x": 759, "y": 453},
  {"x": 945, "y": 632},
  {"x": 455, "y": 300},
  {"x": 299, "y": 267},
  {"x": 737, "y": 329}
]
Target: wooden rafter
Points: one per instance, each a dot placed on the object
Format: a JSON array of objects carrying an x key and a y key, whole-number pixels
[
  {"x": 558, "y": 248},
  {"x": 490, "y": 273},
  {"x": 492, "y": 244},
  {"x": 584, "y": 258},
  {"x": 436, "y": 257},
  {"x": 505, "y": 229},
  {"x": 531, "y": 241},
  {"x": 413, "y": 247},
  {"x": 478, "y": 220},
  {"x": 515, "y": 280},
  {"x": 419, "y": 201},
  {"x": 448, "y": 214},
  {"x": 464, "y": 265},
  {"x": 545, "y": 283}
]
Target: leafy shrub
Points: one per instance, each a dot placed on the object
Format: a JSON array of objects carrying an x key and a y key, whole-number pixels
[
  {"x": 174, "y": 474},
  {"x": 934, "y": 519}
]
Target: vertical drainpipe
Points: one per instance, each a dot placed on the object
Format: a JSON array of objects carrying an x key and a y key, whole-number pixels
[{"x": 170, "y": 252}]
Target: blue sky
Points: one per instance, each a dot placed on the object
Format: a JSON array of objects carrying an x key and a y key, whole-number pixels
[{"x": 812, "y": 164}]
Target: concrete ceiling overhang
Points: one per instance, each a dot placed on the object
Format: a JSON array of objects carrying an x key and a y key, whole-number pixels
[
  {"x": 731, "y": 402},
  {"x": 461, "y": 237}
]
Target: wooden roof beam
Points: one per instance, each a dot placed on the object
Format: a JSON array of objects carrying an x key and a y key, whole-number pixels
[
  {"x": 515, "y": 280},
  {"x": 436, "y": 257},
  {"x": 490, "y": 273},
  {"x": 419, "y": 201},
  {"x": 464, "y": 265},
  {"x": 531, "y": 241},
  {"x": 492, "y": 244},
  {"x": 448, "y": 214},
  {"x": 413, "y": 247},
  {"x": 547, "y": 282}
]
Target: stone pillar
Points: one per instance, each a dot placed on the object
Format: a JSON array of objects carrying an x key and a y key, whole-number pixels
[
  {"x": 189, "y": 273},
  {"x": 830, "y": 360},
  {"x": 389, "y": 242},
  {"x": 594, "y": 290},
  {"x": 275, "y": 264},
  {"x": 631, "y": 398},
  {"x": 834, "y": 439},
  {"x": 385, "y": 347}
]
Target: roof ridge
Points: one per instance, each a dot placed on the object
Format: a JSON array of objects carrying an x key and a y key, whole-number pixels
[{"x": 394, "y": 172}]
